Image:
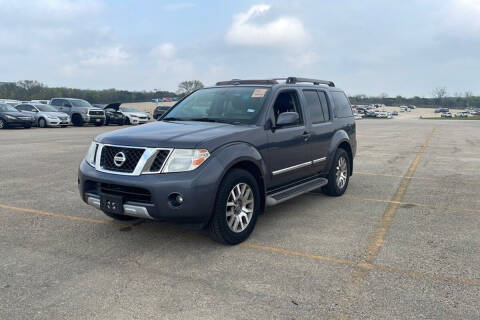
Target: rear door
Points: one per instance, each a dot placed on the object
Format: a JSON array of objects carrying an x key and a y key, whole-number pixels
[{"x": 322, "y": 130}]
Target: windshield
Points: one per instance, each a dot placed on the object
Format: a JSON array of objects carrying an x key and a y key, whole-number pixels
[
  {"x": 81, "y": 103},
  {"x": 45, "y": 108},
  {"x": 128, "y": 109},
  {"x": 229, "y": 104},
  {"x": 7, "y": 108}
]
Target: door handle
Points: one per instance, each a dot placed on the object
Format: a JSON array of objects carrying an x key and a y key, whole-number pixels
[{"x": 306, "y": 135}]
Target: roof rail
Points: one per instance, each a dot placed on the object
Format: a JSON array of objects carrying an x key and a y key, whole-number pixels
[
  {"x": 239, "y": 81},
  {"x": 293, "y": 80}
]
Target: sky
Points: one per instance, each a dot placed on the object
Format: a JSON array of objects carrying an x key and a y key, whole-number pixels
[{"x": 368, "y": 47}]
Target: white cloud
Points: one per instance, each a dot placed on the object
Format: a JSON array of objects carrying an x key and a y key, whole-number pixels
[
  {"x": 282, "y": 31},
  {"x": 164, "y": 51},
  {"x": 105, "y": 57}
]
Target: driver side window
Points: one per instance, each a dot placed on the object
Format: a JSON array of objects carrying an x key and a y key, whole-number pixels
[{"x": 287, "y": 101}]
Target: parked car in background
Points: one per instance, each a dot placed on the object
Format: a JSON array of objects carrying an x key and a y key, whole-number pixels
[
  {"x": 446, "y": 115},
  {"x": 441, "y": 110},
  {"x": 394, "y": 113},
  {"x": 383, "y": 114},
  {"x": 11, "y": 117},
  {"x": 112, "y": 113},
  {"x": 134, "y": 116},
  {"x": 45, "y": 115},
  {"x": 412, "y": 106},
  {"x": 159, "y": 111},
  {"x": 80, "y": 111},
  {"x": 462, "y": 114}
]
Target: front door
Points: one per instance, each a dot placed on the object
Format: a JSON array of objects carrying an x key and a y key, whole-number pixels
[{"x": 288, "y": 148}]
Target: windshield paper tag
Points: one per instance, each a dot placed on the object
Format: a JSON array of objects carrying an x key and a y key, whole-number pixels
[{"x": 259, "y": 93}]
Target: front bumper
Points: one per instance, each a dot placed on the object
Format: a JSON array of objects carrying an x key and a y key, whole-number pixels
[
  {"x": 150, "y": 192},
  {"x": 94, "y": 119},
  {"x": 57, "y": 122}
]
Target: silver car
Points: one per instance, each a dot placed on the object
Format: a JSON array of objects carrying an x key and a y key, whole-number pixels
[{"x": 45, "y": 115}]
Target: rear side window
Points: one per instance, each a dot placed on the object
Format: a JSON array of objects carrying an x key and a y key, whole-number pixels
[
  {"x": 324, "y": 102},
  {"x": 342, "y": 107},
  {"x": 313, "y": 104}
]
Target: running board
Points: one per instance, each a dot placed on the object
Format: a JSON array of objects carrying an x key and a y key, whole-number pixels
[{"x": 284, "y": 195}]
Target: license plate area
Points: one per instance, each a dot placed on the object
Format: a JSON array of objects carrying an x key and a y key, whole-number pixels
[{"x": 111, "y": 203}]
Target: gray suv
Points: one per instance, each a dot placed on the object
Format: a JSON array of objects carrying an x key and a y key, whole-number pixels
[
  {"x": 223, "y": 154},
  {"x": 80, "y": 111}
]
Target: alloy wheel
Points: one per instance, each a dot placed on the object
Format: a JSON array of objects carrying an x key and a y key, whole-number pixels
[
  {"x": 341, "y": 172},
  {"x": 239, "y": 208}
]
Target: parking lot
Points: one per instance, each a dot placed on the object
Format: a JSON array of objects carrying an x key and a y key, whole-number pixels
[{"x": 403, "y": 242}]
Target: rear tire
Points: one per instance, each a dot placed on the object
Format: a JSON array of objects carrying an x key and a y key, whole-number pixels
[
  {"x": 77, "y": 120},
  {"x": 119, "y": 217},
  {"x": 127, "y": 121},
  {"x": 3, "y": 124},
  {"x": 236, "y": 208},
  {"x": 339, "y": 174}
]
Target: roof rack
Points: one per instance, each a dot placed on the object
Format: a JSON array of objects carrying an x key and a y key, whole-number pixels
[
  {"x": 293, "y": 80},
  {"x": 289, "y": 80},
  {"x": 238, "y": 81}
]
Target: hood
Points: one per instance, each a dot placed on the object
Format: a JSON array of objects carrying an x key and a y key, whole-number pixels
[
  {"x": 184, "y": 134},
  {"x": 114, "y": 106}
]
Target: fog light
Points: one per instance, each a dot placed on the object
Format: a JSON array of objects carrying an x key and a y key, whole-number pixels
[{"x": 175, "y": 199}]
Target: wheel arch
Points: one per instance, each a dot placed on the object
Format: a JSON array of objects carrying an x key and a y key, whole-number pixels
[
  {"x": 340, "y": 140},
  {"x": 246, "y": 157}
]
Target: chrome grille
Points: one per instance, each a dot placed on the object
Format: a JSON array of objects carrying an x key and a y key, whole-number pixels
[
  {"x": 157, "y": 164},
  {"x": 132, "y": 156},
  {"x": 96, "y": 113}
]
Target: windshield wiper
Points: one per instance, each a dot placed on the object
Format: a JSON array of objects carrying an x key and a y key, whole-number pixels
[
  {"x": 214, "y": 120},
  {"x": 173, "y": 119}
]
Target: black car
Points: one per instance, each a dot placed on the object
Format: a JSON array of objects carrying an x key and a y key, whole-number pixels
[
  {"x": 223, "y": 154},
  {"x": 159, "y": 111},
  {"x": 112, "y": 113},
  {"x": 11, "y": 117}
]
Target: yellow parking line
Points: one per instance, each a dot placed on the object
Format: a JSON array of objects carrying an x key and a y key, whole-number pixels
[
  {"x": 376, "y": 242},
  {"x": 63, "y": 216},
  {"x": 298, "y": 254},
  {"x": 361, "y": 265}
]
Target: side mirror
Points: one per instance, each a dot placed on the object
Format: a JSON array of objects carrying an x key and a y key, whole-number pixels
[{"x": 287, "y": 118}]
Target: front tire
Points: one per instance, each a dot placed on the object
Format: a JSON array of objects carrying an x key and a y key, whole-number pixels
[
  {"x": 236, "y": 208},
  {"x": 42, "y": 123},
  {"x": 339, "y": 174},
  {"x": 77, "y": 120}
]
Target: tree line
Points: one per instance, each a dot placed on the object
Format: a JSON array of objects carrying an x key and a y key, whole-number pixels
[
  {"x": 439, "y": 97},
  {"x": 33, "y": 90}
]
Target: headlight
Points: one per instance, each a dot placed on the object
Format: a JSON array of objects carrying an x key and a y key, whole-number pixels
[
  {"x": 90, "y": 157},
  {"x": 52, "y": 117},
  {"x": 10, "y": 117},
  {"x": 84, "y": 111},
  {"x": 185, "y": 160}
]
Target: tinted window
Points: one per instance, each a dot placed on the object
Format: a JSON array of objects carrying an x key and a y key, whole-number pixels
[
  {"x": 20, "y": 107},
  {"x": 324, "y": 102},
  {"x": 342, "y": 107},
  {"x": 313, "y": 104},
  {"x": 287, "y": 101},
  {"x": 56, "y": 102}
]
